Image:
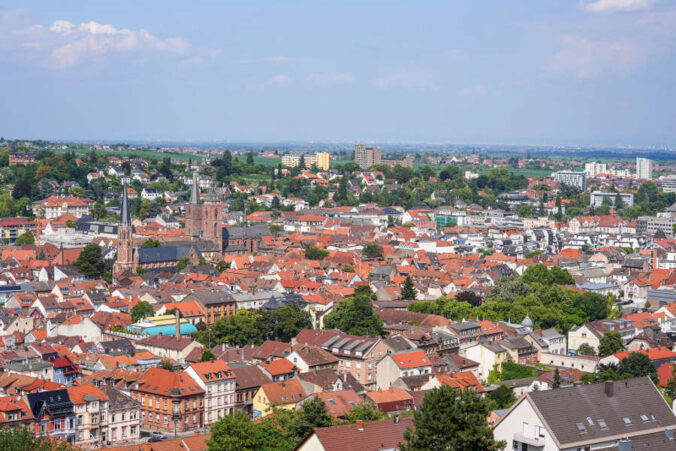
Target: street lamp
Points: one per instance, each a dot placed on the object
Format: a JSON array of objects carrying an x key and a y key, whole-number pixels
[{"x": 175, "y": 416}]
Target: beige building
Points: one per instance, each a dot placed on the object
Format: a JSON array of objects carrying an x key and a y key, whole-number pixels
[
  {"x": 91, "y": 409},
  {"x": 123, "y": 417},
  {"x": 168, "y": 347},
  {"x": 218, "y": 382},
  {"x": 319, "y": 159},
  {"x": 366, "y": 156}
]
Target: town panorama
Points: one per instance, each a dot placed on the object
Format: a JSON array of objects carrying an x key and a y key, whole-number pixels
[{"x": 319, "y": 225}]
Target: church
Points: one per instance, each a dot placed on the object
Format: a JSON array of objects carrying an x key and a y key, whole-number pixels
[{"x": 205, "y": 236}]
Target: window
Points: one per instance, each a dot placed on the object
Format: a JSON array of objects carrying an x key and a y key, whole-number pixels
[
  {"x": 602, "y": 424},
  {"x": 525, "y": 428},
  {"x": 644, "y": 417},
  {"x": 626, "y": 420},
  {"x": 539, "y": 431},
  {"x": 581, "y": 427}
]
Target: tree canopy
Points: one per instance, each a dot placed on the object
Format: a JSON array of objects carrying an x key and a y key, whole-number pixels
[
  {"x": 610, "y": 343},
  {"x": 141, "y": 310},
  {"x": 90, "y": 262},
  {"x": 355, "y": 316},
  {"x": 451, "y": 419}
]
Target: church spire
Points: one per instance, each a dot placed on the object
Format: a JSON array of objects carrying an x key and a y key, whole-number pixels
[
  {"x": 195, "y": 193},
  {"x": 125, "y": 216}
]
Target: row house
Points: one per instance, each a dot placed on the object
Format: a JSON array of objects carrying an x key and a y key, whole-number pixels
[
  {"x": 218, "y": 381},
  {"x": 55, "y": 206},
  {"x": 357, "y": 355}
]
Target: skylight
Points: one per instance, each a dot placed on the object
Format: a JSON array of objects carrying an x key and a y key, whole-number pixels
[
  {"x": 626, "y": 420},
  {"x": 602, "y": 423},
  {"x": 331, "y": 401},
  {"x": 581, "y": 427},
  {"x": 644, "y": 417}
]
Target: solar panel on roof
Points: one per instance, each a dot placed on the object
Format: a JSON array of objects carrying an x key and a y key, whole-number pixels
[
  {"x": 341, "y": 343},
  {"x": 363, "y": 347},
  {"x": 330, "y": 341},
  {"x": 352, "y": 345}
]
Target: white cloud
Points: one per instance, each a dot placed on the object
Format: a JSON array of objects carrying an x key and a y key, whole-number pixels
[
  {"x": 65, "y": 44},
  {"x": 62, "y": 27},
  {"x": 413, "y": 81},
  {"x": 273, "y": 82},
  {"x": 611, "y": 6},
  {"x": 583, "y": 58},
  {"x": 330, "y": 78}
]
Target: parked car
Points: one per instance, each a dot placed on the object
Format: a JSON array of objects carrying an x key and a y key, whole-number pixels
[{"x": 158, "y": 435}]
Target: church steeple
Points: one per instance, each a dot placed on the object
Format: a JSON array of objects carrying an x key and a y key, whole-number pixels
[
  {"x": 125, "y": 244},
  {"x": 195, "y": 192},
  {"x": 125, "y": 216}
]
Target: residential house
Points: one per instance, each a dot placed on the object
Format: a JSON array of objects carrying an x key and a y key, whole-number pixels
[
  {"x": 54, "y": 414},
  {"x": 91, "y": 410},
  {"x": 124, "y": 416},
  {"x": 625, "y": 415},
  {"x": 277, "y": 395},
  {"x": 167, "y": 346},
  {"x": 384, "y": 434},
  {"x": 401, "y": 364}
]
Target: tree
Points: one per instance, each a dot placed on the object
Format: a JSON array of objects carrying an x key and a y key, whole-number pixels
[
  {"x": 313, "y": 415},
  {"x": 234, "y": 432},
  {"x": 470, "y": 297},
  {"x": 283, "y": 323},
  {"x": 610, "y": 343},
  {"x": 22, "y": 188},
  {"x": 594, "y": 305},
  {"x": 301, "y": 162},
  {"x": 638, "y": 365},
  {"x": 537, "y": 273},
  {"x": 525, "y": 211},
  {"x": 557, "y": 379},
  {"x": 503, "y": 396},
  {"x": 408, "y": 291},
  {"x": 586, "y": 349},
  {"x": 314, "y": 253},
  {"x": 451, "y": 419},
  {"x": 276, "y": 229},
  {"x": 22, "y": 438},
  {"x": 151, "y": 242},
  {"x": 561, "y": 276},
  {"x": 26, "y": 238},
  {"x": 364, "y": 412},
  {"x": 250, "y": 158},
  {"x": 182, "y": 263},
  {"x": 222, "y": 266},
  {"x": 372, "y": 250},
  {"x": 141, "y": 310},
  {"x": 355, "y": 316},
  {"x": 140, "y": 270},
  {"x": 90, "y": 262},
  {"x": 166, "y": 365},
  {"x": 207, "y": 356}
]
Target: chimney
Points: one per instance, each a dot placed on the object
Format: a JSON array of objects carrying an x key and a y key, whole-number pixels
[
  {"x": 608, "y": 388},
  {"x": 624, "y": 445},
  {"x": 178, "y": 326},
  {"x": 360, "y": 426}
]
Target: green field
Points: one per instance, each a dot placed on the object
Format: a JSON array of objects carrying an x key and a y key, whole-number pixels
[{"x": 145, "y": 154}]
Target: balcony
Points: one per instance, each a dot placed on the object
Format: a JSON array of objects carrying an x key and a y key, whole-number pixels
[{"x": 537, "y": 442}]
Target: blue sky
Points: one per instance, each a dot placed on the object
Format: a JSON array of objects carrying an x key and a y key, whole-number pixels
[{"x": 589, "y": 72}]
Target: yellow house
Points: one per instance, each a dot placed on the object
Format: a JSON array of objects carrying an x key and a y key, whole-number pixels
[
  {"x": 277, "y": 395},
  {"x": 489, "y": 355}
]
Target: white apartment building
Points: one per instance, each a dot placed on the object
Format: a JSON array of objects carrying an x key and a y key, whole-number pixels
[
  {"x": 218, "y": 381},
  {"x": 644, "y": 169}
]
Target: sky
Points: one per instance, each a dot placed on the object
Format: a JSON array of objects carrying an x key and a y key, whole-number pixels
[{"x": 539, "y": 72}]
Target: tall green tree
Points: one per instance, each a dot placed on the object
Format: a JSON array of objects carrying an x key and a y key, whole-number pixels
[
  {"x": 90, "y": 262},
  {"x": 142, "y": 309},
  {"x": 151, "y": 242},
  {"x": 21, "y": 438},
  {"x": 26, "y": 238},
  {"x": 408, "y": 290},
  {"x": 503, "y": 396},
  {"x": 372, "y": 250},
  {"x": 451, "y": 419},
  {"x": 234, "y": 432},
  {"x": 355, "y": 316},
  {"x": 610, "y": 343}
]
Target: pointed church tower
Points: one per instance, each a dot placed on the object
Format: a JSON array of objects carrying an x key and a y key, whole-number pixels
[
  {"x": 125, "y": 245},
  {"x": 193, "y": 211}
]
